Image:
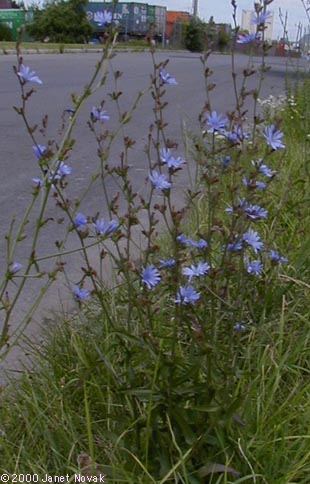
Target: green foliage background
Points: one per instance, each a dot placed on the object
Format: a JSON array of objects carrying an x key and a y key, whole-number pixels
[
  {"x": 195, "y": 35},
  {"x": 61, "y": 22},
  {"x": 5, "y": 32}
]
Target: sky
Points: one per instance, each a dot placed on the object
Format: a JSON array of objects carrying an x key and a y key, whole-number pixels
[{"x": 221, "y": 10}]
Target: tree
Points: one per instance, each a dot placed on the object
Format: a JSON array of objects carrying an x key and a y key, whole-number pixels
[
  {"x": 17, "y": 4},
  {"x": 195, "y": 35},
  {"x": 223, "y": 40},
  {"x": 5, "y": 32},
  {"x": 63, "y": 21}
]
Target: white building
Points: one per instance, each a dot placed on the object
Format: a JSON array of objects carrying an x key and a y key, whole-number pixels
[{"x": 246, "y": 23}]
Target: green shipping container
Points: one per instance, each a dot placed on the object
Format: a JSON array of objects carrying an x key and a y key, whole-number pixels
[
  {"x": 132, "y": 18},
  {"x": 151, "y": 13},
  {"x": 14, "y": 19},
  {"x": 121, "y": 15}
]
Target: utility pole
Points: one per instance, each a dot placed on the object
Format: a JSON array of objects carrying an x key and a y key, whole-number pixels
[
  {"x": 299, "y": 34},
  {"x": 195, "y": 8},
  {"x": 284, "y": 25},
  {"x": 306, "y": 4}
]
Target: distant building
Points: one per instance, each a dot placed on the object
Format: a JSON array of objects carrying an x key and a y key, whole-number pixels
[
  {"x": 5, "y": 4},
  {"x": 305, "y": 42},
  {"x": 174, "y": 20},
  {"x": 246, "y": 23}
]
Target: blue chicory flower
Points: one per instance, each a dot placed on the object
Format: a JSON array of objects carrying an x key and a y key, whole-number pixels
[
  {"x": 262, "y": 168},
  {"x": 254, "y": 183},
  {"x": 150, "y": 276},
  {"x": 254, "y": 267},
  {"x": 166, "y": 263},
  {"x": 98, "y": 114},
  {"x": 260, "y": 18},
  {"x": 159, "y": 180},
  {"x": 15, "y": 267},
  {"x": 230, "y": 209},
  {"x": 80, "y": 292},
  {"x": 242, "y": 204},
  {"x": 174, "y": 163},
  {"x": 79, "y": 220},
  {"x": 252, "y": 238},
  {"x": 39, "y": 150},
  {"x": 266, "y": 171},
  {"x": 235, "y": 245},
  {"x": 38, "y": 182},
  {"x": 196, "y": 271},
  {"x": 236, "y": 134},
  {"x": 276, "y": 257},
  {"x": 260, "y": 184},
  {"x": 186, "y": 295},
  {"x": 255, "y": 212},
  {"x": 199, "y": 244},
  {"x": 105, "y": 228},
  {"x": 61, "y": 171},
  {"x": 216, "y": 122},
  {"x": 165, "y": 154},
  {"x": 273, "y": 137},
  {"x": 103, "y": 18},
  {"x": 246, "y": 38},
  {"x": 169, "y": 160},
  {"x": 226, "y": 161},
  {"x": 183, "y": 239},
  {"x": 27, "y": 75},
  {"x": 166, "y": 78}
]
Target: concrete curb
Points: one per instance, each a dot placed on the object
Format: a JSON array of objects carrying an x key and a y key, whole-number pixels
[{"x": 84, "y": 51}]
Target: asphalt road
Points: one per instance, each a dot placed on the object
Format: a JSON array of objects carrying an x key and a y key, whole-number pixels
[{"x": 65, "y": 74}]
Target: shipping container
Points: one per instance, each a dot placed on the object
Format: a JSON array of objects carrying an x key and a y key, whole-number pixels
[
  {"x": 120, "y": 12},
  {"x": 5, "y": 4},
  {"x": 151, "y": 14},
  {"x": 160, "y": 20},
  {"x": 139, "y": 24},
  {"x": 157, "y": 20},
  {"x": 15, "y": 19},
  {"x": 131, "y": 18}
]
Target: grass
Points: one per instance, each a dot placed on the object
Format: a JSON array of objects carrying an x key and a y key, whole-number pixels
[
  {"x": 146, "y": 401},
  {"x": 77, "y": 400},
  {"x": 38, "y": 46}
]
